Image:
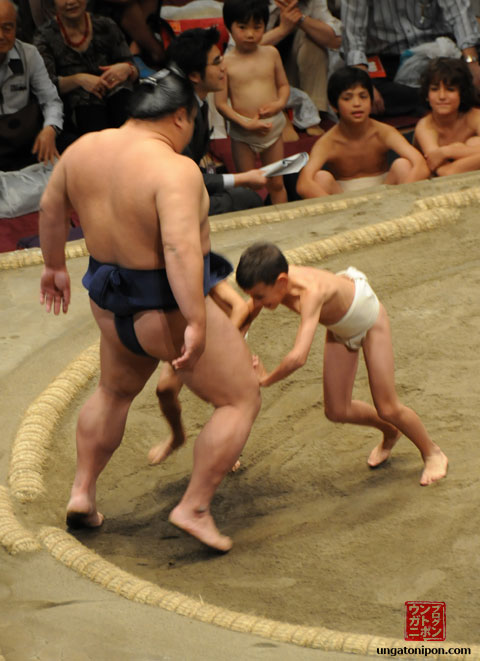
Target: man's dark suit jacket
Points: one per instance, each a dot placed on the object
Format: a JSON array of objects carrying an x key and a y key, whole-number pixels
[{"x": 198, "y": 147}]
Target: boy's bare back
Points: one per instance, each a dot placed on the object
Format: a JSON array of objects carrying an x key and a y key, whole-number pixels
[
  {"x": 349, "y": 157},
  {"x": 309, "y": 285},
  {"x": 252, "y": 79}
]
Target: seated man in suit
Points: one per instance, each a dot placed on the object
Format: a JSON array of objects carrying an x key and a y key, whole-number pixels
[
  {"x": 31, "y": 112},
  {"x": 196, "y": 53}
]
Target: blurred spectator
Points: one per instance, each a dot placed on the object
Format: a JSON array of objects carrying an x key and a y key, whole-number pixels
[
  {"x": 88, "y": 58},
  {"x": 304, "y": 31},
  {"x": 389, "y": 28},
  {"x": 31, "y": 112}
]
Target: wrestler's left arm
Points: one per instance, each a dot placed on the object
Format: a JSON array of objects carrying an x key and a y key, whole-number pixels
[
  {"x": 180, "y": 224},
  {"x": 54, "y": 223}
]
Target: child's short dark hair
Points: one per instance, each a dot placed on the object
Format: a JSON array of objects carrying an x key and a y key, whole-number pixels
[
  {"x": 261, "y": 262},
  {"x": 450, "y": 71},
  {"x": 190, "y": 49},
  {"x": 241, "y": 11},
  {"x": 346, "y": 78}
]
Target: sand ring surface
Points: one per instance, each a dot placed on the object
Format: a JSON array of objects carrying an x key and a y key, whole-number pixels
[{"x": 318, "y": 537}]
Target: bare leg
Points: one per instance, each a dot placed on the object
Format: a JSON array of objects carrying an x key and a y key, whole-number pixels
[
  {"x": 327, "y": 184},
  {"x": 223, "y": 376},
  {"x": 378, "y": 353},
  {"x": 168, "y": 389},
  {"x": 243, "y": 157},
  {"x": 289, "y": 134},
  {"x": 339, "y": 370},
  {"x": 101, "y": 422},
  {"x": 400, "y": 172},
  {"x": 275, "y": 187}
]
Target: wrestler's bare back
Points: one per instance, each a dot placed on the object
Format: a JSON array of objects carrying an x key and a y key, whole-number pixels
[
  {"x": 252, "y": 81},
  {"x": 117, "y": 197},
  {"x": 334, "y": 292}
]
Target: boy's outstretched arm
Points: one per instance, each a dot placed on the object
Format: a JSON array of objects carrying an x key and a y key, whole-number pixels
[{"x": 297, "y": 356}]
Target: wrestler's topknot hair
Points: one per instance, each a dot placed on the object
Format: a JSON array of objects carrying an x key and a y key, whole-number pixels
[
  {"x": 453, "y": 72},
  {"x": 162, "y": 94},
  {"x": 344, "y": 79},
  {"x": 261, "y": 262},
  {"x": 241, "y": 11}
]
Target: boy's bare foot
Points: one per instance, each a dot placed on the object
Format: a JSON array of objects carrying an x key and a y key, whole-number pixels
[
  {"x": 435, "y": 468},
  {"x": 161, "y": 451},
  {"x": 382, "y": 451},
  {"x": 235, "y": 466},
  {"x": 314, "y": 130},
  {"x": 202, "y": 526}
]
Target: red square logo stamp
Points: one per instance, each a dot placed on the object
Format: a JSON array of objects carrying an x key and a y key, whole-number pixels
[{"x": 425, "y": 620}]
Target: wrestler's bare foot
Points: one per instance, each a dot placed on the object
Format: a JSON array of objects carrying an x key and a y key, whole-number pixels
[
  {"x": 435, "y": 467},
  {"x": 81, "y": 515},
  {"x": 202, "y": 526},
  {"x": 161, "y": 451},
  {"x": 382, "y": 451}
]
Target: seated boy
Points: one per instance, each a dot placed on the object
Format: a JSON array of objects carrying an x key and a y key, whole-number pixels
[
  {"x": 449, "y": 136},
  {"x": 169, "y": 384},
  {"x": 257, "y": 88},
  {"x": 354, "y": 318},
  {"x": 355, "y": 150}
]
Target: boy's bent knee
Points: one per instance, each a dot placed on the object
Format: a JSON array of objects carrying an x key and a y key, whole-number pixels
[{"x": 335, "y": 414}]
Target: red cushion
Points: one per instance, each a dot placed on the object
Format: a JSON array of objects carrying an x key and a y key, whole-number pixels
[{"x": 14, "y": 229}]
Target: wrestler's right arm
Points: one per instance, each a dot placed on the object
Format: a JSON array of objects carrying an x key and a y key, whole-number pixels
[
  {"x": 54, "y": 223},
  {"x": 179, "y": 202}
]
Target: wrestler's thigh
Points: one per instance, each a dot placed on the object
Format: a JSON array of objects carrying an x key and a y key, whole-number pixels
[
  {"x": 121, "y": 371},
  {"x": 224, "y": 373}
]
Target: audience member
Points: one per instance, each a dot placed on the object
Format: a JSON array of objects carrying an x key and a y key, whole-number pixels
[
  {"x": 139, "y": 20},
  {"x": 304, "y": 31},
  {"x": 449, "y": 136},
  {"x": 196, "y": 53},
  {"x": 355, "y": 150},
  {"x": 256, "y": 93},
  {"x": 31, "y": 111},
  {"x": 389, "y": 28},
  {"x": 88, "y": 58}
]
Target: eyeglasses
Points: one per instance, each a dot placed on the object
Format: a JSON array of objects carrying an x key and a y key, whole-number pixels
[{"x": 216, "y": 62}]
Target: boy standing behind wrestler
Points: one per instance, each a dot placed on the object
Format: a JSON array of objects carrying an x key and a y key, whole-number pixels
[{"x": 257, "y": 88}]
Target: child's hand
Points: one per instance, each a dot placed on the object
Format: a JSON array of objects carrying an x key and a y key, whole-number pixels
[
  {"x": 259, "y": 125},
  {"x": 268, "y": 110},
  {"x": 260, "y": 370},
  {"x": 435, "y": 159}
]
